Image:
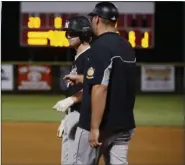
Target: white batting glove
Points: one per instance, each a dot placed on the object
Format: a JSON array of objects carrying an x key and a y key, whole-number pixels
[
  {"x": 63, "y": 105},
  {"x": 60, "y": 131}
]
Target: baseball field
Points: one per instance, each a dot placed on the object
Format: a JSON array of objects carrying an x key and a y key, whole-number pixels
[{"x": 29, "y": 127}]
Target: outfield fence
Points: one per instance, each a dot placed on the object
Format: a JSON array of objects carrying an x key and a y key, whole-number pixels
[{"x": 46, "y": 77}]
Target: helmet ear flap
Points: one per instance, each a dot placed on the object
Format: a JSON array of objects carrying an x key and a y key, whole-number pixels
[{"x": 85, "y": 36}]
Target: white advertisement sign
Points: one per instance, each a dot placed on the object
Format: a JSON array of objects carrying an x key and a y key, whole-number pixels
[
  {"x": 6, "y": 77},
  {"x": 157, "y": 78}
]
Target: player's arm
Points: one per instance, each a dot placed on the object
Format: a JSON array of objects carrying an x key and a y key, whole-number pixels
[
  {"x": 64, "y": 104},
  {"x": 74, "y": 79}
]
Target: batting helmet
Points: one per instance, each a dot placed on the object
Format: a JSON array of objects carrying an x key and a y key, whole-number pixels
[
  {"x": 106, "y": 10},
  {"x": 78, "y": 26}
]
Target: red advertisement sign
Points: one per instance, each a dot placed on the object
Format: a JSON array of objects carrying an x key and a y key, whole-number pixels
[{"x": 34, "y": 77}]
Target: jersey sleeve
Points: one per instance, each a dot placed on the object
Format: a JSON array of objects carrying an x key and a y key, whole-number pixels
[{"x": 98, "y": 71}]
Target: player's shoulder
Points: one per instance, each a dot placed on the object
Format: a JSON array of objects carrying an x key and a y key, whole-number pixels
[{"x": 83, "y": 56}]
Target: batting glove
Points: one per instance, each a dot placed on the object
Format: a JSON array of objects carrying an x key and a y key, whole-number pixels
[
  {"x": 60, "y": 131},
  {"x": 63, "y": 105}
]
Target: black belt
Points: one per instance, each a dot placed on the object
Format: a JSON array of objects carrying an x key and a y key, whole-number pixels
[{"x": 69, "y": 111}]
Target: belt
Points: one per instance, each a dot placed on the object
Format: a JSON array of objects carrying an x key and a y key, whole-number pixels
[{"x": 69, "y": 110}]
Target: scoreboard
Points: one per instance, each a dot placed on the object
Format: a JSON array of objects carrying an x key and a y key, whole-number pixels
[{"x": 43, "y": 28}]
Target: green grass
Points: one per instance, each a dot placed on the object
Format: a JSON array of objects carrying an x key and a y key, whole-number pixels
[
  {"x": 160, "y": 110},
  {"x": 149, "y": 109},
  {"x": 30, "y": 108}
]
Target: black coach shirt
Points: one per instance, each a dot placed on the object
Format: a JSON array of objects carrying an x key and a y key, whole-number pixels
[
  {"x": 77, "y": 68},
  {"x": 111, "y": 62}
]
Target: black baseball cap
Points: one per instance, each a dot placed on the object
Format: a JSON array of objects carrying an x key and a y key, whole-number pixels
[{"x": 106, "y": 10}]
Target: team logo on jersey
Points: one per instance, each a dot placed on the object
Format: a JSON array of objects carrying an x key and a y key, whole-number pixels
[{"x": 90, "y": 73}]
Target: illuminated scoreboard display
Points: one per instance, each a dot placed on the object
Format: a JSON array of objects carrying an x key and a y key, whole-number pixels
[{"x": 41, "y": 22}]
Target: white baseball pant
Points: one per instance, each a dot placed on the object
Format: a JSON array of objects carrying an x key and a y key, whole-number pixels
[
  {"x": 114, "y": 149},
  {"x": 68, "y": 141}
]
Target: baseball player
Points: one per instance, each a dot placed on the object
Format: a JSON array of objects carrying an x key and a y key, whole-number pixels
[
  {"x": 78, "y": 32},
  {"x": 106, "y": 120}
]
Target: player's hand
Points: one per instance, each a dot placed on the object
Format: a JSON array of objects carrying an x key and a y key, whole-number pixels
[
  {"x": 60, "y": 130},
  {"x": 94, "y": 138},
  {"x": 73, "y": 79},
  {"x": 63, "y": 105}
]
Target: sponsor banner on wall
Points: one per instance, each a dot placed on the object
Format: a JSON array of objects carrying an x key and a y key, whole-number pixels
[
  {"x": 157, "y": 78},
  {"x": 34, "y": 77},
  {"x": 64, "y": 70},
  {"x": 7, "y": 77}
]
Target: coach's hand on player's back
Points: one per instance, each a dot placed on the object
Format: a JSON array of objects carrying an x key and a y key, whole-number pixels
[
  {"x": 74, "y": 79},
  {"x": 94, "y": 138}
]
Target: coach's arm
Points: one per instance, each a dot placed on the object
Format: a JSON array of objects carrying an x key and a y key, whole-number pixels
[
  {"x": 100, "y": 68},
  {"x": 98, "y": 100}
]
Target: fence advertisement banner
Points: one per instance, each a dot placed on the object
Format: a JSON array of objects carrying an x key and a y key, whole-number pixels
[
  {"x": 157, "y": 78},
  {"x": 34, "y": 77},
  {"x": 7, "y": 77}
]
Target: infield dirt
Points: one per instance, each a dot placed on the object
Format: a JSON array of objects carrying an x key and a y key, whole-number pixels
[{"x": 29, "y": 143}]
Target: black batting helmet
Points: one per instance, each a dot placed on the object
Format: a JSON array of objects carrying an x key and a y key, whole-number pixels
[
  {"x": 78, "y": 26},
  {"x": 106, "y": 10}
]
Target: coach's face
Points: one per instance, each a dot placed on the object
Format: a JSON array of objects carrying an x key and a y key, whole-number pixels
[{"x": 94, "y": 22}]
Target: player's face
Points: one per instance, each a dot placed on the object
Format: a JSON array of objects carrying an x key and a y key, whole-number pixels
[{"x": 74, "y": 40}]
